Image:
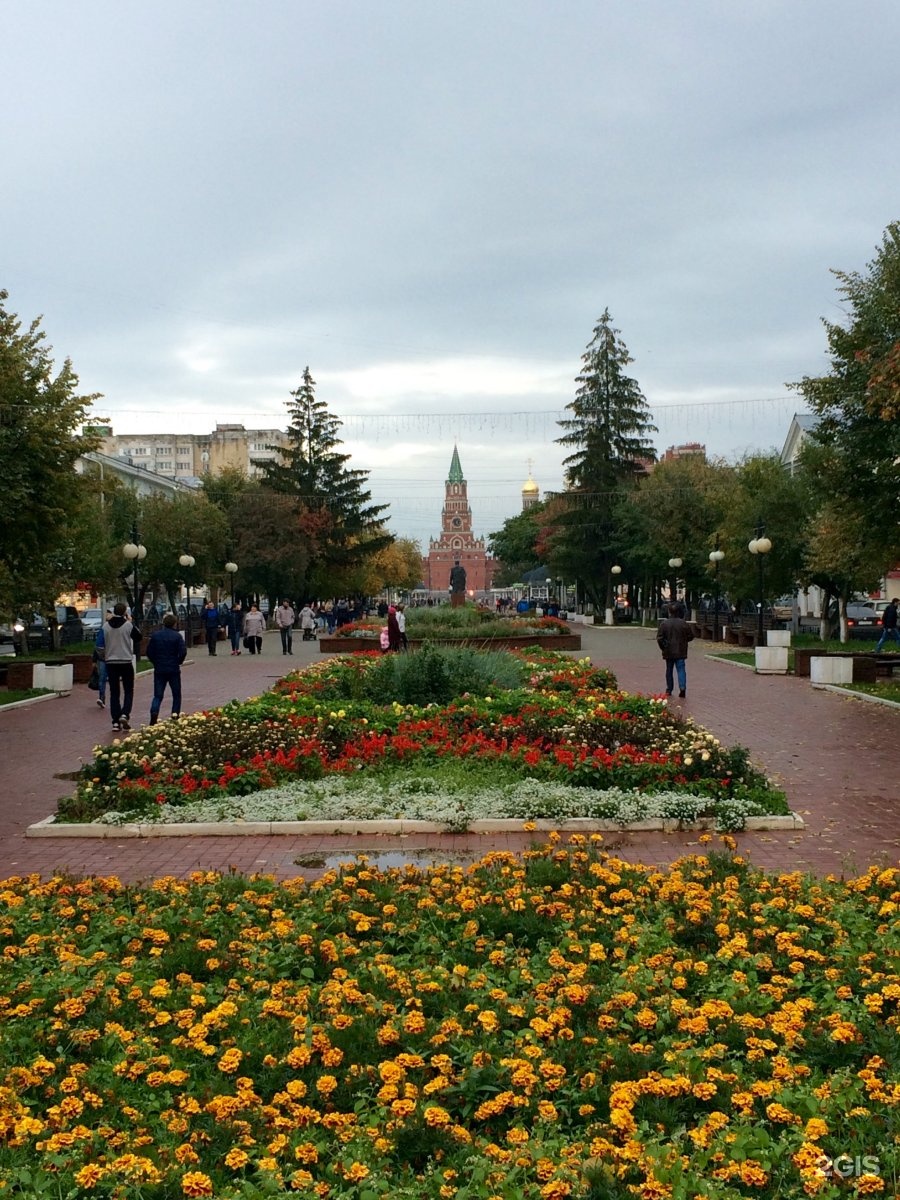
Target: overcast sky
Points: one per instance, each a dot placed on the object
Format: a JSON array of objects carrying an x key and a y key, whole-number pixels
[{"x": 431, "y": 204}]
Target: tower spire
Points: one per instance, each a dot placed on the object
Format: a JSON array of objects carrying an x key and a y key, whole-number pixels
[{"x": 456, "y": 475}]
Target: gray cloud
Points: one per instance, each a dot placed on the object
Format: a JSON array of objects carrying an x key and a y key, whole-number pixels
[{"x": 431, "y": 205}]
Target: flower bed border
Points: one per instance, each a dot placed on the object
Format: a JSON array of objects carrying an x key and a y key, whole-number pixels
[
  {"x": 549, "y": 641},
  {"x": 50, "y": 828}
]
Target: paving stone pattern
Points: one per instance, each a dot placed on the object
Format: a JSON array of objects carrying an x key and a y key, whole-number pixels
[{"x": 837, "y": 758}]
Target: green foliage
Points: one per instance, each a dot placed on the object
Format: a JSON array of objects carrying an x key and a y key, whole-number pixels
[
  {"x": 435, "y": 674},
  {"x": 515, "y": 545},
  {"x": 346, "y": 527},
  {"x": 608, "y": 435},
  {"x": 856, "y": 474},
  {"x": 40, "y": 412}
]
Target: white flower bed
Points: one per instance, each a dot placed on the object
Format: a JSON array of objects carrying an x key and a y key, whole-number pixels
[{"x": 343, "y": 798}]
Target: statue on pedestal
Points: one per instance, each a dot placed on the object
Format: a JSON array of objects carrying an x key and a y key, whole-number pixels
[{"x": 457, "y": 585}]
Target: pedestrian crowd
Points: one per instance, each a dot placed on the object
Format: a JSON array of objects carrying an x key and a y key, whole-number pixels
[{"x": 117, "y": 647}]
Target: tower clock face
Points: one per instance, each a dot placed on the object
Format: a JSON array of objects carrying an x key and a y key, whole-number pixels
[{"x": 456, "y": 522}]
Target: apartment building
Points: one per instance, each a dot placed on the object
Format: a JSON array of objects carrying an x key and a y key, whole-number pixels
[{"x": 189, "y": 456}]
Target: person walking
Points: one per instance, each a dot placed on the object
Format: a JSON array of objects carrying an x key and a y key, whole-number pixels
[
  {"x": 308, "y": 622},
  {"x": 121, "y": 642},
  {"x": 284, "y": 621},
  {"x": 401, "y": 625},
  {"x": 889, "y": 625},
  {"x": 235, "y": 626},
  {"x": 167, "y": 650},
  {"x": 254, "y": 628},
  {"x": 395, "y": 642},
  {"x": 211, "y": 624},
  {"x": 99, "y": 657},
  {"x": 672, "y": 637}
]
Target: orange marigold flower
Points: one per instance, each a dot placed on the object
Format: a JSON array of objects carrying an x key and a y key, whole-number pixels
[
  {"x": 89, "y": 1176},
  {"x": 195, "y": 1183},
  {"x": 236, "y": 1159}
]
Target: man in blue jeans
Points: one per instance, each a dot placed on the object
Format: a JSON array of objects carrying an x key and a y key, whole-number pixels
[
  {"x": 672, "y": 637},
  {"x": 167, "y": 651},
  {"x": 888, "y": 625}
]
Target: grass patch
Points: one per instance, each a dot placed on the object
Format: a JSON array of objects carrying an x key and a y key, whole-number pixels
[
  {"x": 14, "y": 697},
  {"x": 884, "y": 689}
]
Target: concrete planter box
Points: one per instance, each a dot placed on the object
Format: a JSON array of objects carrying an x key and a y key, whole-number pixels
[
  {"x": 830, "y": 669},
  {"x": 778, "y": 637},
  {"x": 771, "y": 660},
  {"x": 57, "y": 678},
  {"x": 563, "y": 641}
]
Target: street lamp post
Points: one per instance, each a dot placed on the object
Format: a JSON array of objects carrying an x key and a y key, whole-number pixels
[
  {"x": 231, "y": 568},
  {"x": 187, "y": 561},
  {"x": 674, "y": 564},
  {"x": 135, "y": 553},
  {"x": 760, "y": 546},
  {"x": 715, "y": 557},
  {"x": 614, "y": 571}
]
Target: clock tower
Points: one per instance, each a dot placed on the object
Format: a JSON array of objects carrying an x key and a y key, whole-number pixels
[{"x": 457, "y": 542}]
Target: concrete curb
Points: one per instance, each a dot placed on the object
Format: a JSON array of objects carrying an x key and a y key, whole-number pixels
[
  {"x": 843, "y": 691},
  {"x": 397, "y": 828},
  {"x": 33, "y": 700}
]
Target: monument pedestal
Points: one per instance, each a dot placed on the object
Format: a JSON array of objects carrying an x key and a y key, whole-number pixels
[{"x": 457, "y": 599}]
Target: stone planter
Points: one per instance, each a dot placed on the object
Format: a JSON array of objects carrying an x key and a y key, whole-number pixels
[
  {"x": 56, "y": 677},
  {"x": 771, "y": 660},
  {"x": 778, "y": 637},
  {"x": 830, "y": 668},
  {"x": 562, "y": 641}
]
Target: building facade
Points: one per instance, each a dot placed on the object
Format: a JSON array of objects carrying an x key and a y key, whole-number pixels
[
  {"x": 457, "y": 541},
  {"x": 189, "y": 456}
]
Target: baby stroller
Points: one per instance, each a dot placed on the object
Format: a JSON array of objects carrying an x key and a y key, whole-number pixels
[{"x": 310, "y": 635}]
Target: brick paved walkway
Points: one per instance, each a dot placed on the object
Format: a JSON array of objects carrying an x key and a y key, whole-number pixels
[{"x": 837, "y": 758}]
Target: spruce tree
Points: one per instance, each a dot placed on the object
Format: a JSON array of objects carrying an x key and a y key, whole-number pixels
[
  {"x": 608, "y": 433},
  {"x": 345, "y": 527}
]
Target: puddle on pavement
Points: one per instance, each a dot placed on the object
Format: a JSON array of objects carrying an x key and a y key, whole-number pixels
[{"x": 383, "y": 860}]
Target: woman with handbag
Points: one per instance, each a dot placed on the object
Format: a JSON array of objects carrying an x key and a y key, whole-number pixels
[{"x": 254, "y": 628}]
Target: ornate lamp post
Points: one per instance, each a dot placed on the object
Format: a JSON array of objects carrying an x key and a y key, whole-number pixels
[
  {"x": 187, "y": 561},
  {"x": 135, "y": 553},
  {"x": 715, "y": 557},
  {"x": 760, "y": 546},
  {"x": 674, "y": 564},
  {"x": 231, "y": 569},
  {"x": 614, "y": 572}
]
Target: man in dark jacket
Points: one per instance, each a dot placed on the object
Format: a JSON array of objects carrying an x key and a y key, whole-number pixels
[
  {"x": 673, "y": 636},
  {"x": 888, "y": 624},
  {"x": 211, "y": 623},
  {"x": 167, "y": 651}
]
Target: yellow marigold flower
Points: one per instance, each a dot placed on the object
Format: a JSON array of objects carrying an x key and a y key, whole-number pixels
[
  {"x": 236, "y": 1159},
  {"x": 195, "y": 1183},
  {"x": 89, "y": 1176},
  {"x": 355, "y": 1172},
  {"x": 326, "y": 1084},
  {"x": 868, "y": 1184},
  {"x": 815, "y": 1129},
  {"x": 185, "y": 1153},
  {"x": 752, "y": 1174},
  {"x": 547, "y": 1111},
  {"x": 436, "y": 1117}
]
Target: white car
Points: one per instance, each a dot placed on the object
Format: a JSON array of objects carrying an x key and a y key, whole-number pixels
[{"x": 92, "y": 622}]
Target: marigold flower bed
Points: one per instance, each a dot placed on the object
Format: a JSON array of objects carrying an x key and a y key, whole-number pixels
[
  {"x": 536, "y": 715},
  {"x": 551, "y": 1025}
]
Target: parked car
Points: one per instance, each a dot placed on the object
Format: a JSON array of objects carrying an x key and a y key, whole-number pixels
[
  {"x": 863, "y": 621},
  {"x": 783, "y": 608},
  {"x": 92, "y": 622}
]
